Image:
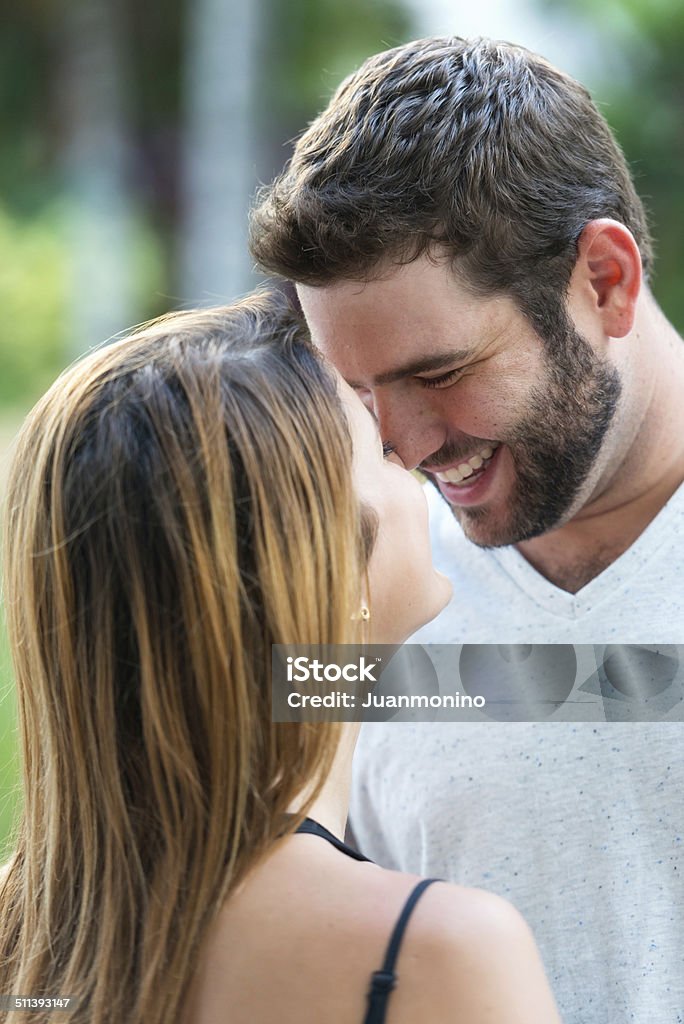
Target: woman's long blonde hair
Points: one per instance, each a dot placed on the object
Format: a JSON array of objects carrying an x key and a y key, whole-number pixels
[{"x": 180, "y": 500}]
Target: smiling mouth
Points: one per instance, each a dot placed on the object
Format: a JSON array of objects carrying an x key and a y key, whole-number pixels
[{"x": 471, "y": 467}]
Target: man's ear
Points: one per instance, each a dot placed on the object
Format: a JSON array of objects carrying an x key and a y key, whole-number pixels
[{"x": 608, "y": 270}]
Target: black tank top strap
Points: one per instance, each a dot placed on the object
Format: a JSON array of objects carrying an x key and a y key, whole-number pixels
[
  {"x": 384, "y": 980},
  {"x": 311, "y": 827}
]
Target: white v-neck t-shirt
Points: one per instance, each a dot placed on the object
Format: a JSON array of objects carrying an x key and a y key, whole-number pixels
[
  {"x": 580, "y": 825},
  {"x": 500, "y": 598}
]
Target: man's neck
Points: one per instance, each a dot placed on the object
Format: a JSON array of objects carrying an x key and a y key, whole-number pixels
[
  {"x": 645, "y": 468},
  {"x": 573, "y": 555}
]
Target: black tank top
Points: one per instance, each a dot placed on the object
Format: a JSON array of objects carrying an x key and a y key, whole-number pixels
[{"x": 384, "y": 980}]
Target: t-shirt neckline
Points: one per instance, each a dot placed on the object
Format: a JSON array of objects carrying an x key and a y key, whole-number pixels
[{"x": 669, "y": 521}]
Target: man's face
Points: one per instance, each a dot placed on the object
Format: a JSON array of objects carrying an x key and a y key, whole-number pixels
[{"x": 509, "y": 427}]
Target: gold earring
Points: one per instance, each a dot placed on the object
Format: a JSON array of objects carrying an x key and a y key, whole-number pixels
[{"x": 363, "y": 614}]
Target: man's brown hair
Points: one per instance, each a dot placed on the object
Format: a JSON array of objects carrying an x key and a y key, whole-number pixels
[{"x": 476, "y": 149}]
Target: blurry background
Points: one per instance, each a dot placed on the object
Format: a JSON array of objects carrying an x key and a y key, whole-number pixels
[{"x": 133, "y": 136}]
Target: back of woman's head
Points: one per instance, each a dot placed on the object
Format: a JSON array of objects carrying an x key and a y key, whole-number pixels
[{"x": 179, "y": 501}]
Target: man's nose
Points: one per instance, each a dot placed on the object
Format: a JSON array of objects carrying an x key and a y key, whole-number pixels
[{"x": 409, "y": 424}]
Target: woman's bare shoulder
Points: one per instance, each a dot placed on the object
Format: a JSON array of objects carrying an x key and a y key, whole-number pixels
[
  {"x": 470, "y": 953},
  {"x": 319, "y": 926},
  {"x": 466, "y": 953}
]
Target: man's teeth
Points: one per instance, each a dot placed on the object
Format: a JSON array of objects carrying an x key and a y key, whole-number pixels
[{"x": 466, "y": 469}]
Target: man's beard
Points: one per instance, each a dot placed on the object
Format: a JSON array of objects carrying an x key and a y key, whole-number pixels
[{"x": 554, "y": 446}]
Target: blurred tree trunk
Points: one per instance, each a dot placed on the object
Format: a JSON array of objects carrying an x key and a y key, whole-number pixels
[
  {"x": 219, "y": 143},
  {"x": 96, "y": 160}
]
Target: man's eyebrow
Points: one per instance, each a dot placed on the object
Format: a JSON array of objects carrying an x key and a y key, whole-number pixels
[{"x": 416, "y": 366}]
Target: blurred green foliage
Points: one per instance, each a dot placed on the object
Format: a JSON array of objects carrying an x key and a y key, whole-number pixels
[
  {"x": 36, "y": 281},
  {"x": 305, "y": 49},
  {"x": 311, "y": 47},
  {"x": 10, "y": 794},
  {"x": 33, "y": 299},
  {"x": 641, "y": 94}
]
